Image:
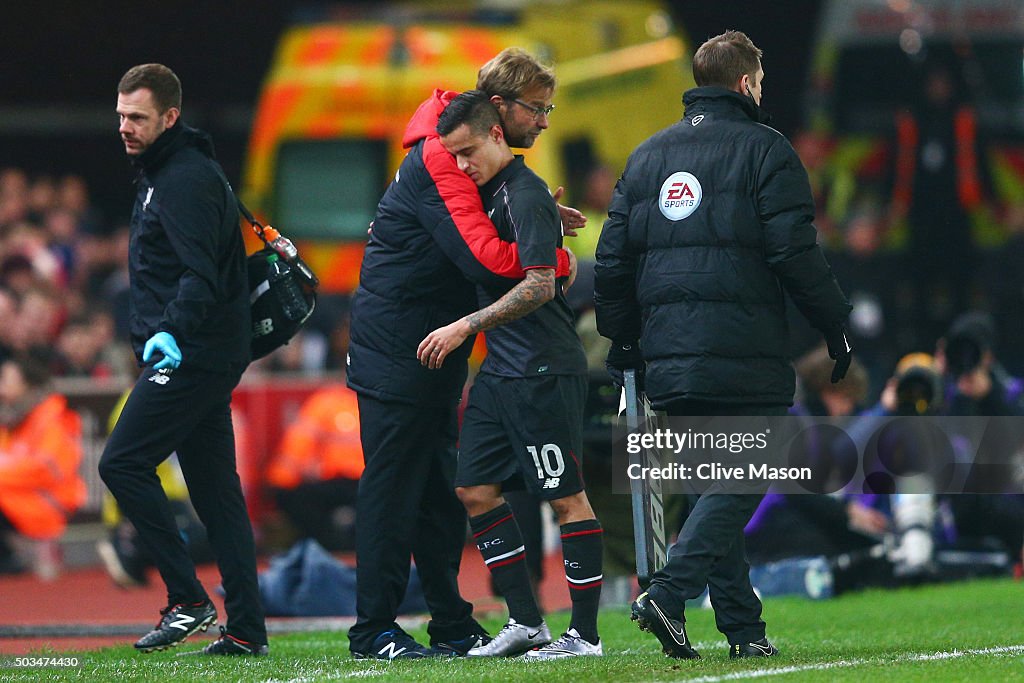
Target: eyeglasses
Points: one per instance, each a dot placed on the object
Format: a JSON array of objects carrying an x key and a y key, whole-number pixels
[{"x": 536, "y": 111}]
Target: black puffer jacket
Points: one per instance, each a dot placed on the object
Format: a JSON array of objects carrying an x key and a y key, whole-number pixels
[
  {"x": 711, "y": 220},
  {"x": 187, "y": 259}
]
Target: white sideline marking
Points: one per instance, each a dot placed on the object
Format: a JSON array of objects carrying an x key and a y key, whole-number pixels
[
  {"x": 319, "y": 674},
  {"x": 365, "y": 673},
  {"x": 847, "y": 663}
]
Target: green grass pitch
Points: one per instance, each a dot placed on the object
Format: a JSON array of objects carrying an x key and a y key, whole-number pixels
[{"x": 955, "y": 632}]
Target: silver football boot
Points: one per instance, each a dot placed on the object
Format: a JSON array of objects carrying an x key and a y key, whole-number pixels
[
  {"x": 571, "y": 644},
  {"x": 513, "y": 639}
]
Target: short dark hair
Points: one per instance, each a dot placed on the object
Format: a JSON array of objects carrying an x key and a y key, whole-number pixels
[
  {"x": 160, "y": 80},
  {"x": 473, "y": 108},
  {"x": 725, "y": 59}
]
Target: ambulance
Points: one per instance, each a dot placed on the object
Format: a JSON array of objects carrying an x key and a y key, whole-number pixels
[
  {"x": 871, "y": 59},
  {"x": 326, "y": 136}
]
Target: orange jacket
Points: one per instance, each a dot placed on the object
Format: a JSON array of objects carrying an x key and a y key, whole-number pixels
[
  {"x": 40, "y": 486},
  {"x": 322, "y": 443}
]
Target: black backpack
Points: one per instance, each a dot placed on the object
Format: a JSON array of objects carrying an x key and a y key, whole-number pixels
[{"x": 278, "y": 308}]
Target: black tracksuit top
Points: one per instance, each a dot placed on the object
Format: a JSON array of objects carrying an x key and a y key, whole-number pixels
[{"x": 187, "y": 258}]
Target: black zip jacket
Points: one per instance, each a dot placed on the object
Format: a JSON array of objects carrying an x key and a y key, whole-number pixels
[
  {"x": 430, "y": 241},
  {"x": 711, "y": 220},
  {"x": 187, "y": 258}
]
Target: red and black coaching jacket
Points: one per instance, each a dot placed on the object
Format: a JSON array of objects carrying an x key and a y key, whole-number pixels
[{"x": 431, "y": 240}]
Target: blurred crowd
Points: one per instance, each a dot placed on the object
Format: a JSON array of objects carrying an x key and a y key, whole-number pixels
[
  {"x": 63, "y": 278},
  {"x": 910, "y": 531},
  {"x": 924, "y": 227},
  {"x": 64, "y": 287}
]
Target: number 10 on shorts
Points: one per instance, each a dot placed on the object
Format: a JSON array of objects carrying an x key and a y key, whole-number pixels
[{"x": 549, "y": 463}]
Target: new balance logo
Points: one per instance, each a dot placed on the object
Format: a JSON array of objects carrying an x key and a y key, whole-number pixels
[
  {"x": 262, "y": 327},
  {"x": 182, "y": 621},
  {"x": 551, "y": 483},
  {"x": 392, "y": 650}
]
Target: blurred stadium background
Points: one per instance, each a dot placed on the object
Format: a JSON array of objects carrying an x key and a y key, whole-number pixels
[{"x": 918, "y": 234}]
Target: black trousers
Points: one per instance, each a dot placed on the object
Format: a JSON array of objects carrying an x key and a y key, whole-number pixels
[
  {"x": 407, "y": 506},
  {"x": 188, "y": 412},
  {"x": 710, "y": 548}
]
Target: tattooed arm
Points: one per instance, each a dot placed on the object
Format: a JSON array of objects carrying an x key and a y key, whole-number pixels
[{"x": 536, "y": 290}]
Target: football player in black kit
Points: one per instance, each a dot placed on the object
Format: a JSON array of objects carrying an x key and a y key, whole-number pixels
[{"x": 524, "y": 421}]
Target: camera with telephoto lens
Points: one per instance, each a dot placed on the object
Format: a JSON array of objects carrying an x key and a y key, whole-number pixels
[
  {"x": 969, "y": 338},
  {"x": 918, "y": 385},
  {"x": 917, "y": 391}
]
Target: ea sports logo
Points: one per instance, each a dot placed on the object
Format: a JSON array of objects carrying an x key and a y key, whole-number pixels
[{"x": 680, "y": 196}]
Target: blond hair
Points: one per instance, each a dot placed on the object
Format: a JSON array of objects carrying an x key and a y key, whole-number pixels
[{"x": 512, "y": 72}]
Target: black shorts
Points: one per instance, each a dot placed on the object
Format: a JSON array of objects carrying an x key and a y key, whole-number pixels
[{"x": 526, "y": 430}]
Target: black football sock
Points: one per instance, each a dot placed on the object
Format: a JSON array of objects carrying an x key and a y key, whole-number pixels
[
  {"x": 581, "y": 549},
  {"x": 499, "y": 540}
]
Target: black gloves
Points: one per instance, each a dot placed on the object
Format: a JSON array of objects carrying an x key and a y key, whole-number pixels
[
  {"x": 839, "y": 350},
  {"x": 624, "y": 356}
]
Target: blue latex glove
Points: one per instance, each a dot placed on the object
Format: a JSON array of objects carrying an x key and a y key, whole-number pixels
[{"x": 165, "y": 344}]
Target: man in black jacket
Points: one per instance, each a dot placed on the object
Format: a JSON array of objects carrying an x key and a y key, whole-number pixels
[
  {"x": 709, "y": 223},
  {"x": 430, "y": 234},
  {"x": 190, "y": 329}
]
